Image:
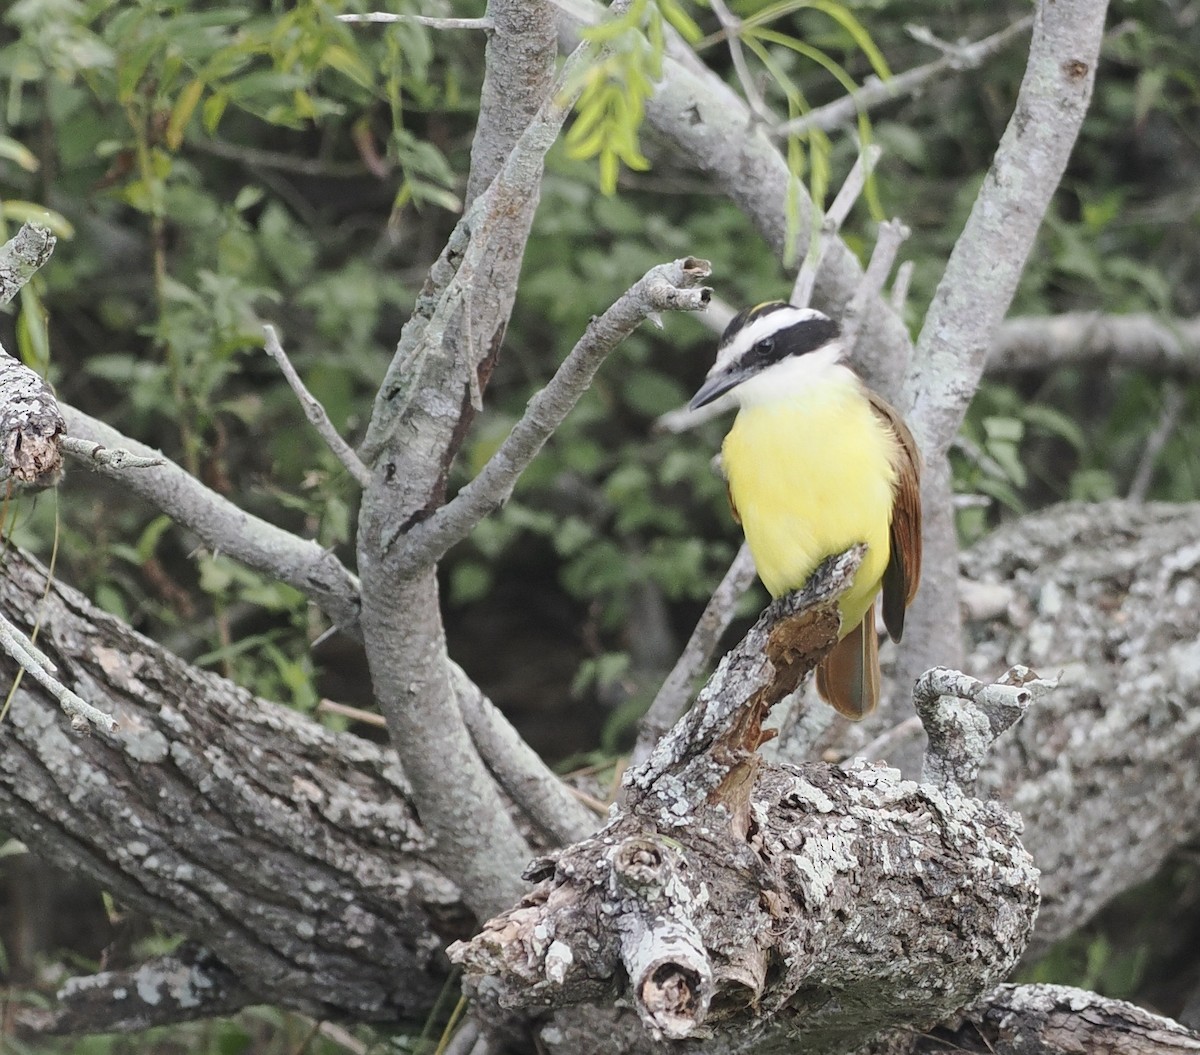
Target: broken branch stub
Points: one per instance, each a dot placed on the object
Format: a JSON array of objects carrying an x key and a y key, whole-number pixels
[
  {"x": 30, "y": 426},
  {"x": 782, "y": 905}
]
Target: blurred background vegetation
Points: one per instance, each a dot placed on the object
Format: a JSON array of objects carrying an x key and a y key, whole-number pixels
[{"x": 213, "y": 167}]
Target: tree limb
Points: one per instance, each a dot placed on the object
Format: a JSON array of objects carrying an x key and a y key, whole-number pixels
[
  {"x": 30, "y": 422},
  {"x": 750, "y": 902},
  {"x": 423, "y": 409},
  {"x": 1048, "y": 1020},
  {"x": 315, "y": 412},
  {"x": 1139, "y": 341},
  {"x": 21, "y": 257},
  {"x": 667, "y": 287},
  {"x": 875, "y": 92},
  {"x": 309, "y": 567},
  {"x": 1103, "y": 596},
  {"x": 525, "y": 778},
  {"x": 971, "y": 300},
  {"x": 184, "y": 985},
  {"x": 292, "y": 853}
]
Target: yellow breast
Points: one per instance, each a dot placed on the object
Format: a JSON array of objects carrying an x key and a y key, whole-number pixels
[{"x": 811, "y": 474}]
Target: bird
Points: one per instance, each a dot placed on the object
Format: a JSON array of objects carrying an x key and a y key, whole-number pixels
[{"x": 815, "y": 463}]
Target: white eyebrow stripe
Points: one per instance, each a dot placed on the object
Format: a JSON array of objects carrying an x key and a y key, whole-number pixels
[{"x": 747, "y": 337}]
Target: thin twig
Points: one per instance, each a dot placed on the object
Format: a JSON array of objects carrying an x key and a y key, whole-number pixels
[
  {"x": 674, "y": 695},
  {"x": 39, "y": 667},
  {"x": 113, "y": 457},
  {"x": 315, "y": 412},
  {"x": 831, "y": 223},
  {"x": 421, "y": 20},
  {"x": 733, "y": 28},
  {"x": 875, "y": 91},
  {"x": 463, "y": 1041},
  {"x": 667, "y": 287},
  {"x": 1174, "y": 399},
  {"x": 356, "y": 714},
  {"x": 888, "y": 240}
]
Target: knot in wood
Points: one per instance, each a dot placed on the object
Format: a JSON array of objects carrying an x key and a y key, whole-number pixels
[{"x": 641, "y": 866}]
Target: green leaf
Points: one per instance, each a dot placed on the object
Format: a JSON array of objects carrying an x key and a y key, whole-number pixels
[
  {"x": 181, "y": 112},
  {"x": 348, "y": 64},
  {"x": 11, "y": 150},
  {"x": 33, "y": 333},
  {"x": 30, "y": 212}
]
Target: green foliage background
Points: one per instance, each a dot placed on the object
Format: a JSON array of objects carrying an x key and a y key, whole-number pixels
[{"x": 210, "y": 168}]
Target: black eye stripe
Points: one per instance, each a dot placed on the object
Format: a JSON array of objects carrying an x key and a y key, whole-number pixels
[{"x": 801, "y": 337}]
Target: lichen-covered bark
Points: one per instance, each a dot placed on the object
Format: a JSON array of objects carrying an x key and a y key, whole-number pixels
[
  {"x": 777, "y": 907},
  {"x": 1104, "y": 770},
  {"x": 289, "y": 851},
  {"x": 1047, "y": 1020}
]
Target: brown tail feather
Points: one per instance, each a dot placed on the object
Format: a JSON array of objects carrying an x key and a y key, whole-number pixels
[{"x": 848, "y": 678}]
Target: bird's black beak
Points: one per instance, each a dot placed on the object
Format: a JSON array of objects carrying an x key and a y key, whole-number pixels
[{"x": 716, "y": 385}]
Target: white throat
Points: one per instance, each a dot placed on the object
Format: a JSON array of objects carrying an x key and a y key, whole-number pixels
[{"x": 796, "y": 375}]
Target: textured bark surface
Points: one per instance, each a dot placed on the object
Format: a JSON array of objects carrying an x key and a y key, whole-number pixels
[
  {"x": 30, "y": 425},
  {"x": 775, "y": 907},
  {"x": 1048, "y": 1020},
  {"x": 290, "y": 851},
  {"x": 1104, "y": 770}
]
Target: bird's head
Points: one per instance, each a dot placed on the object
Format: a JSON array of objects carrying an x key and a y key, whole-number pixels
[{"x": 770, "y": 349}]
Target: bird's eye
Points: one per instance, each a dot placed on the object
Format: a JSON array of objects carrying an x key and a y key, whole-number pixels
[{"x": 765, "y": 345}]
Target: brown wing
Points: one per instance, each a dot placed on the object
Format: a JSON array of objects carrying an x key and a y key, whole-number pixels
[
  {"x": 737, "y": 517},
  {"x": 903, "y": 573}
]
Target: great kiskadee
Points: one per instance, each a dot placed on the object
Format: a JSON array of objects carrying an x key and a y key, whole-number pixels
[{"x": 816, "y": 463}]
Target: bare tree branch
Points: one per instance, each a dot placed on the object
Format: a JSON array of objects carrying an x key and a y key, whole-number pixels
[
  {"x": 875, "y": 92},
  {"x": 421, "y": 20},
  {"x": 182, "y": 986},
  {"x": 831, "y": 225},
  {"x": 971, "y": 301},
  {"x": 31, "y": 426},
  {"x": 427, "y": 400},
  {"x": 1047, "y": 1020},
  {"x": 1138, "y": 341},
  {"x": 34, "y": 662},
  {"x": 291, "y": 852},
  {"x": 721, "y": 866},
  {"x": 732, "y": 26},
  {"x": 667, "y": 287},
  {"x": 525, "y": 778},
  {"x": 315, "y": 412},
  {"x": 222, "y": 526}
]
